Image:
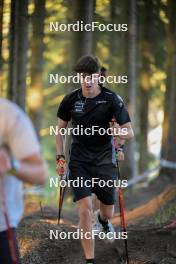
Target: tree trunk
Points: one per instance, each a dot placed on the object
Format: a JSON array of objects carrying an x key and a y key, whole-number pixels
[
  {"x": 83, "y": 11},
  {"x": 130, "y": 169},
  {"x": 22, "y": 40},
  {"x": 12, "y": 52},
  {"x": 115, "y": 38},
  {"x": 1, "y": 38},
  {"x": 94, "y": 35},
  {"x": 18, "y": 52},
  {"x": 145, "y": 84},
  {"x": 148, "y": 209},
  {"x": 37, "y": 62},
  {"x": 169, "y": 124},
  {"x": 113, "y": 43}
]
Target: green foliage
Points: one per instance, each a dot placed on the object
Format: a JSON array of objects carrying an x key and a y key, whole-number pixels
[{"x": 165, "y": 214}]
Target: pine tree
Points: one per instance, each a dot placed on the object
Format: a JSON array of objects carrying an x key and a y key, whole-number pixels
[
  {"x": 169, "y": 124},
  {"x": 37, "y": 63},
  {"x": 18, "y": 52}
]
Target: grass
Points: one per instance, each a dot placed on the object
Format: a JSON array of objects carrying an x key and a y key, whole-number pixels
[{"x": 165, "y": 214}]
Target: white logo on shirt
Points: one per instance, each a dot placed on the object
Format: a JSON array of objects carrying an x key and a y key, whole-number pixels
[
  {"x": 79, "y": 106},
  {"x": 101, "y": 102}
]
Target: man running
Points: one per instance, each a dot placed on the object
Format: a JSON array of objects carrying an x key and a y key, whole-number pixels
[{"x": 91, "y": 154}]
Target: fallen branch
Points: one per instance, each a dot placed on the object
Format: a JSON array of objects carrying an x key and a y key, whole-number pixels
[{"x": 147, "y": 209}]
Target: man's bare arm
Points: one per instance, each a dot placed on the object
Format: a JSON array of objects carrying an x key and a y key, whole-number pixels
[
  {"x": 129, "y": 131},
  {"x": 59, "y": 137},
  {"x": 60, "y": 161}
]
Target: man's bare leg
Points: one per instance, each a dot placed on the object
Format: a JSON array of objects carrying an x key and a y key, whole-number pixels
[
  {"x": 85, "y": 214},
  {"x": 106, "y": 211},
  {"x": 96, "y": 203}
]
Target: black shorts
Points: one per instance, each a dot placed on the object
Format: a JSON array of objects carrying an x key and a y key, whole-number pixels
[{"x": 102, "y": 184}]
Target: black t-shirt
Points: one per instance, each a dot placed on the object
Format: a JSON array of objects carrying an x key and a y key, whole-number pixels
[{"x": 87, "y": 113}]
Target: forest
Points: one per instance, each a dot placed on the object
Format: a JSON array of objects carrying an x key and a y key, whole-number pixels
[{"x": 40, "y": 42}]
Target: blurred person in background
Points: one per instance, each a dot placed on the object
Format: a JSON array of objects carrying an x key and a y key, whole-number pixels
[{"x": 20, "y": 161}]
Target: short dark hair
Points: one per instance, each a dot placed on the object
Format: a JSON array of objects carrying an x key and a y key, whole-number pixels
[
  {"x": 87, "y": 64},
  {"x": 103, "y": 71}
]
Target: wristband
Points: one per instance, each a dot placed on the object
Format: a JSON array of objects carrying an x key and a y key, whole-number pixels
[
  {"x": 121, "y": 148},
  {"x": 58, "y": 157}
]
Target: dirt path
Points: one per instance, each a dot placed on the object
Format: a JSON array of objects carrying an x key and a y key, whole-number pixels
[{"x": 147, "y": 244}]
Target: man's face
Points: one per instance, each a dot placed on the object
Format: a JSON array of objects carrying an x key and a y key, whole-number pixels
[{"x": 89, "y": 82}]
